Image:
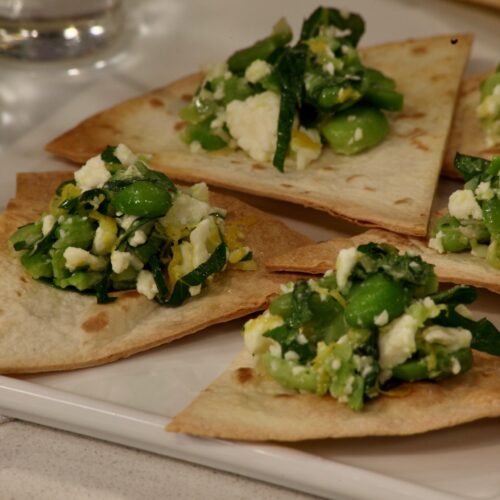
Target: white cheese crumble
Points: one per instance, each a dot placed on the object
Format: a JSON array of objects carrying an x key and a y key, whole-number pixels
[
  {"x": 436, "y": 243},
  {"x": 253, "y": 124},
  {"x": 120, "y": 261},
  {"x": 396, "y": 343},
  {"x": 301, "y": 339},
  {"x": 195, "y": 147},
  {"x": 336, "y": 364},
  {"x": 125, "y": 155},
  {"x": 257, "y": 70},
  {"x": 92, "y": 175},
  {"x": 254, "y": 330},
  {"x": 449, "y": 337},
  {"x": 48, "y": 222},
  {"x": 484, "y": 191},
  {"x": 463, "y": 205},
  {"x": 78, "y": 257},
  {"x": 138, "y": 238},
  {"x": 381, "y": 319},
  {"x": 297, "y": 370},
  {"x": 275, "y": 350},
  {"x": 146, "y": 284},
  {"x": 329, "y": 68},
  {"x": 126, "y": 221},
  {"x": 194, "y": 290},
  {"x": 346, "y": 261},
  {"x": 291, "y": 356},
  {"x": 455, "y": 366}
]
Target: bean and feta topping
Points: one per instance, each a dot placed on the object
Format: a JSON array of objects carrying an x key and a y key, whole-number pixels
[
  {"x": 281, "y": 102},
  {"x": 473, "y": 219},
  {"x": 387, "y": 324},
  {"x": 119, "y": 225}
]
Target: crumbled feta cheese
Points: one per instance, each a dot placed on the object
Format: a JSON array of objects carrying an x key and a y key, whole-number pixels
[
  {"x": 257, "y": 70},
  {"x": 253, "y": 123},
  {"x": 436, "y": 243},
  {"x": 349, "y": 385},
  {"x": 78, "y": 257},
  {"x": 455, "y": 366},
  {"x": 48, "y": 222},
  {"x": 336, "y": 364},
  {"x": 214, "y": 71},
  {"x": 93, "y": 174},
  {"x": 381, "y": 319},
  {"x": 185, "y": 211},
  {"x": 329, "y": 68},
  {"x": 120, "y": 261},
  {"x": 291, "y": 356},
  {"x": 301, "y": 339},
  {"x": 484, "y": 191},
  {"x": 219, "y": 120},
  {"x": 449, "y": 337},
  {"x": 358, "y": 134},
  {"x": 199, "y": 191},
  {"x": 219, "y": 92},
  {"x": 328, "y": 273},
  {"x": 146, "y": 284},
  {"x": 297, "y": 370},
  {"x": 126, "y": 221},
  {"x": 346, "y": 261},
  {"x": 195, "y": 147},
  {"x": 275, "y": 350},
  {"x": 463, "y": 205},
  {"x": 194, "y": 290},
  {"x": 254, "y": 330},
  {"x": 138, "y": 238},
  {"x": 396, "y": 343},
  {"x": 125, "y": 155}
]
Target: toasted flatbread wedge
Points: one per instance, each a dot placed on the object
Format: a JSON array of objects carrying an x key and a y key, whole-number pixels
[
  {"x": 459, "y": 268},
  {"x": 391, "y": 186},
  {"x": 46, "y": 329},
  {"x": 242, "y": 404},
  {"x": 467, "y": 136}
]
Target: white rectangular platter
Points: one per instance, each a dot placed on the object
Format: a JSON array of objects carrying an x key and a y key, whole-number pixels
[{"x": 130, "y": 401}]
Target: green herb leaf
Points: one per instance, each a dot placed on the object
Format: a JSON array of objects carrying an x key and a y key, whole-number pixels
[
  {"x": 470, "y": 166},
  {"x": 198, "y": 276},
  {"x": 290, "y": 74},
  {"x": 351, "y": 24},
  {"x": 460, "y": 294},
  {"x": 108, "y": 155}
]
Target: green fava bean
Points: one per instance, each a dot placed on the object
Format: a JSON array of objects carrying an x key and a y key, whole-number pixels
[
  {"x": 378, "y": 293},
  {"x": 142, "y": 199},
  {"x": 453, "y": 240},
  {"x": 355, "y": 129}
]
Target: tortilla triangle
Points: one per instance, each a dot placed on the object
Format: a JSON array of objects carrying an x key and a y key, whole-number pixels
[
  {"x": 45, "y": 329},
  {"x": 243, "y": 404},
  {"x": 466, "y": 135},
  {"x": 390, "y": 186},
  {"x": 458, "y": 268}
]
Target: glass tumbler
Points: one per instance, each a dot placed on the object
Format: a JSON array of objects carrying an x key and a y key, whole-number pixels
[{"x": 48, "y": 30}]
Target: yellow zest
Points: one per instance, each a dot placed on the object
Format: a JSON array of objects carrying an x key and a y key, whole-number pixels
[
  {"x": 302, "y": 140},
  {"x": 106, "y": 234},
  {"x": 68, "y": 191}
]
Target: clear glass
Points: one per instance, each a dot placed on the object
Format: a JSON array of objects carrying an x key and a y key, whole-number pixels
[{"x": 48, "y": 30}]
